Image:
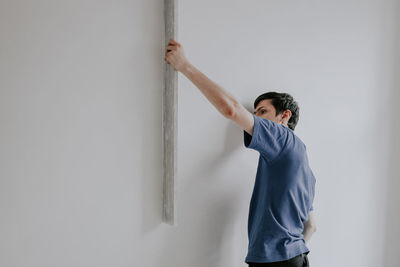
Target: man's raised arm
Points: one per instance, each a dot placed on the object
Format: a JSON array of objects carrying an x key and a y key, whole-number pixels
[{"x": 222, "y": 100}]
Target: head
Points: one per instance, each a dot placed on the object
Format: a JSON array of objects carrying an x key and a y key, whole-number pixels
[{"x": 278, "y": 107}]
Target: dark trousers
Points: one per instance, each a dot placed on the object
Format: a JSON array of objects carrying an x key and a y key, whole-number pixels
[{"x": 298, "y": 261}]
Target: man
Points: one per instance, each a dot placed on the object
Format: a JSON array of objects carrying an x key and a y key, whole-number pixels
[{"x": 281, "y": 219}]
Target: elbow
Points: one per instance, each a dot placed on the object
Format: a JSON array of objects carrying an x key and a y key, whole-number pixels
[{"x": 229, "y": 110}]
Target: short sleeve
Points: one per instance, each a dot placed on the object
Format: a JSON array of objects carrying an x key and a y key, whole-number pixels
[{"x": 269, "y": 138}]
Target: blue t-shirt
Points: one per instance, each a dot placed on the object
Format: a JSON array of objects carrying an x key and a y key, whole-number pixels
[{"x": 282, "y": 196}]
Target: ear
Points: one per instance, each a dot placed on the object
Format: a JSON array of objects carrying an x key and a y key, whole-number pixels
[{"x": 286, "y": 115}]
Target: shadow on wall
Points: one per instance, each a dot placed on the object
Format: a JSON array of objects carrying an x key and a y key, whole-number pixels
[
  {"x": 392, "y": 230},
  {"x": 151, "y": 164},
  {"x": 211, "y": 163},
  {"x": 151, "y": 159},
  {"x": 206, "y": 230}
]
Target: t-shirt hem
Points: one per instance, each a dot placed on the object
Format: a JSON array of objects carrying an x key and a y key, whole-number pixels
[{"x": 258, "y": 259}]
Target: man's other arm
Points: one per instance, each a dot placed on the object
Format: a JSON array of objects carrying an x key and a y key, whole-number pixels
[{"x": 309, "y": 227}]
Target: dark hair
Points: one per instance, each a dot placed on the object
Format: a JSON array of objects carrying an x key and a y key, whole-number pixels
[{"x": 282, "y": 102}]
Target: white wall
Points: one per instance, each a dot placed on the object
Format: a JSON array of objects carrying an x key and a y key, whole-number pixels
[
  {"x": 80, "y": 140},
  {"x": 391, "y": 227}
]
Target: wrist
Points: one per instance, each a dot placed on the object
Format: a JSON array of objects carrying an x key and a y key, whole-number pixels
[{"x": 186, "y": 68}]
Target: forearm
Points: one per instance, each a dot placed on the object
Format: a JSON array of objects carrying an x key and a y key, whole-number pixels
[
  {"x": 307, "y": 233},
  {"x": 222, "y": 100}
]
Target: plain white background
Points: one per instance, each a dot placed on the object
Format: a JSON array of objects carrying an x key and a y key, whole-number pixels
[{"x": 80, "y": 141}]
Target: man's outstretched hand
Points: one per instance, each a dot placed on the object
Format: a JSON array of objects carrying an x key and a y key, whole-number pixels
[{"x": 175, "y": 56}]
